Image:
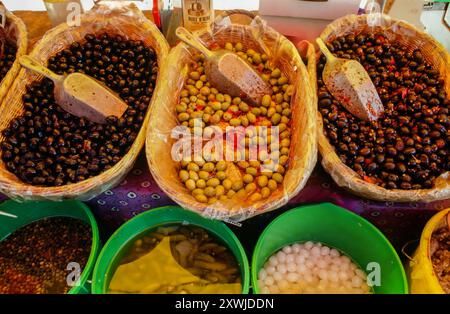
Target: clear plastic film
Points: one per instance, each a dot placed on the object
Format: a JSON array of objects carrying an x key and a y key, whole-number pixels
[
  {"x": 411, "y": 38},
  {"x": 303, "y": 150},
  {"x": 15, "y": 31},
  {"x": 125, "y": 20}
]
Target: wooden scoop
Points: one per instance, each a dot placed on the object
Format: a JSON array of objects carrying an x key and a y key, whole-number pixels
[
  {"x": 349, "y": 83},
  {"x": 228, "y": 72},
  {"x": 80, "y": 94}
]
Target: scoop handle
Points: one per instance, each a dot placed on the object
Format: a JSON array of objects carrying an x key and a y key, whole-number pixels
[
  {"x": 325, "y": 50},
  {"x": 193, "y": 41},
  {"x": 32, "y": 64}
]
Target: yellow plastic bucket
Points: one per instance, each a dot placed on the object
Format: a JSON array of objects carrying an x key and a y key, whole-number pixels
[{"x": 422, "y": 279}]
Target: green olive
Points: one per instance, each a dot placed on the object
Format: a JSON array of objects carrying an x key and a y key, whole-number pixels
[
  {"x": 284, "y": 160},
  {"x": 192, "y": 90},
  {"x": 262, "y": 181},
  {"x": 229, "y": 46},
  {"x": 193, "y": 175},
  {"x": 182, "y": 107},
  {"x": 221, "y": 175},
  {"x": 238, "y": 47},
  {"x": 227, "y": 184},
  {"x": 206, "y": 117},
  {"x": 190, "y": 184},
  {"x": 236, "y": 101},
  {"x": 271, "y": 111},
  {"x": 250, "y": 52},
  {"x": 265, "y": 192},
  {"x": 201, "y": 184},
  {"x": 244, "y": 107},
  {"x": 183, "y": 116},
  {"x": 203, "y": 175},
  {"x": 221, "y": 165},
  {"x": 226, "y": 105},
  {"x": 230, "y": 193},
  {"x": 265, "y": 77},
  {"x": 244, "y": 121},
  {"x": 286, "y": 112},
  {"x": 209, "y": 167},
  {"x": 223, "y": 198},
  {"x": 184, "y": 175},
  {"x": 282, "y": 80},
  {"x": 256, "y": 111},
  {"x": 243, "y": 164},
  {"x": 252, "y": 171},
  {"x": 255, "y": 197},
  {"x": 213, "y": 182},
  {"x": 227, "y": 116},
  {"x": 237, "y": 185},
  {"x": 215, "y": 119},
  {"x": 250, "y": 187},
  {"x": 184, "y": 93},
  {"x": 220, "y": 190},
  {"x": 276, "y": 118},
  {"x": 284, "y": 151},
  {"x": 201, "y": 198},
  {"x": 192, "y": 166},
  {"x": 247, "y": 178},
  {"x": 197, "y": 191},
  {"x": 220, "y": 98},
  {"x": 205, "y": 91},
  {"x": 210, "y": 191},
  {"x": 279, "y": 98},
  {"x": 235, "y": 122},
  {"x": 285, "y": 134},
  {"x": 266, "y": 100},
  {"x": 282, "y": 127},
  {"x": 277, "y": 177},
  {"x": 251, "y": 117},
  {"x": 272, "y": 184},
  {"x": 276, "y": 73},
  {"x": 198, "y": 84},
  {"x": 285, "y": 142},
  {"x": 256, "y": 58}
]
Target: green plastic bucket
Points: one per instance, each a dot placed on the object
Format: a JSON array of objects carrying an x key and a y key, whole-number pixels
[
  {"x": 30, "y": 212},
  {"x": 335, "y": 227},
  {"x": 125, "y": 236}
]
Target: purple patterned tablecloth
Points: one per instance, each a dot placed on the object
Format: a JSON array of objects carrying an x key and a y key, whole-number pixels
[{"x": 400, "y": 222}]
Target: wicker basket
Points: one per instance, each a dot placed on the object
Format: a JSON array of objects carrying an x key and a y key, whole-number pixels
[
  {"x": 435, "y": 53},
  {"x": 127, "y": 21},
  {"x": 15, "y": 28},
  {"x": 163, "y": 118}
]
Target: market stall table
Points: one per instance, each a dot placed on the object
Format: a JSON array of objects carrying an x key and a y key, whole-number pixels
[{"x": 402, "y": 223}]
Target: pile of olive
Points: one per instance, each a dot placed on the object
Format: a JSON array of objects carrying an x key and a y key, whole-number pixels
[
  {"x": 7, "y": 58},
  {"x": 407, "y": 148},
  {"x": 48, "y": 146},
  {"x": 212, "y": 181}
]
